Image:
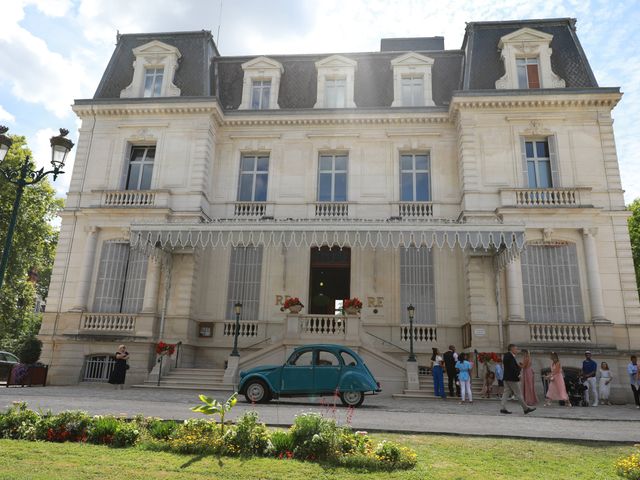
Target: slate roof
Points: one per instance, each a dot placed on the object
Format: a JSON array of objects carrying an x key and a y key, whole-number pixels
[{"x": 202, "y": 72}]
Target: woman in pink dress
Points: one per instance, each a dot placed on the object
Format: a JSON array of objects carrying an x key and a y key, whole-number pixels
[
  {"x": 556, "y": 390},
  {"x": 527, "y": 383}
]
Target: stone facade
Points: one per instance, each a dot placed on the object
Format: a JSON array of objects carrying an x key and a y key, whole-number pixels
[{"x": 474, "y": 138}]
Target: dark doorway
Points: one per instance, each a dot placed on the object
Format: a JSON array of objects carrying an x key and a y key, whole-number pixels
[{"x": 329, "y": 280}]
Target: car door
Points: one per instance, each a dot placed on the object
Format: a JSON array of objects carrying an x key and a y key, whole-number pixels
[
  {"x": 297, "y": 373},
  {"x": 326, "y": 372}
]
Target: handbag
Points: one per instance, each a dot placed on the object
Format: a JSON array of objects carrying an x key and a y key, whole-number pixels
[{"x": 126, "y": 366}]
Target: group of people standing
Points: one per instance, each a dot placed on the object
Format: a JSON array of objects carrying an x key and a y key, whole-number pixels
[{"x": 516, "y": 381}]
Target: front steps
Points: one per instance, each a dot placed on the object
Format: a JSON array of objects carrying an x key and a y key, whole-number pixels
[
  {"x": 426, "y": 390},
  {"x": 191, "y": 379}
]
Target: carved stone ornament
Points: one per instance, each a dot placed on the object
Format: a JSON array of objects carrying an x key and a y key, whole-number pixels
[{"x": 547, "y": 235}]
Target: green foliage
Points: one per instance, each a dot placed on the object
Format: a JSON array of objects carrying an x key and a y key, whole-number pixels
[
  {"x": 66, "y": 426},
  {"x": 247, "y": 437},
  {"x": 634, "y": 234},
  {"x": 281, "y": 443},
  {"x": 315, "y": 437},
  {"x": 160, "y": 429},
  {"x": 126, "y": 435},
  {"x": 196, "y": 437},
  {"x": 18, "y": 422},
  {"x": 103, "y": 429},
  {"x": 30, "y": 350},
  {"x": 33, "y": 247},
  {"x": 213, "y": 407}
]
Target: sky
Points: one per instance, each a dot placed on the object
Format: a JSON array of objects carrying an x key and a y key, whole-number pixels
[{"x": 55, "y": 51}]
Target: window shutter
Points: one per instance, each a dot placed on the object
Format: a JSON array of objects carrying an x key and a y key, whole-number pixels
[
  {"x": 523, "y": 155},
  {"x": 553, "y": 157}
]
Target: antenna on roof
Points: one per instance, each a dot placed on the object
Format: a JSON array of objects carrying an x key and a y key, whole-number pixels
[{"x": 219, "y": 23}]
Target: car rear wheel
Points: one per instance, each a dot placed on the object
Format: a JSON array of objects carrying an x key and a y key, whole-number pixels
[
  {"x": 257, "y": 391},
  {"x": 352, "y": 399}
]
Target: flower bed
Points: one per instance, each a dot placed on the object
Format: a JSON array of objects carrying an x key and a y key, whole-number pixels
[
  {"x": 629, "y": 467},
  {"x": 311, "y": 438}
]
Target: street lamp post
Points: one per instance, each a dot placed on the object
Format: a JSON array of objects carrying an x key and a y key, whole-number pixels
[
  {"x": 24, "y": 176},
  {"x": 411, "y": 310},
  {"x": 238, "y": 309}
]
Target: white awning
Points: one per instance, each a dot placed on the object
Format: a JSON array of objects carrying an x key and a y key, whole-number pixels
[{"x": 363, "y": 234}]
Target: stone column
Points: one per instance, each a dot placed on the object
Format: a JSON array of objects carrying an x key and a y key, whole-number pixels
[
  {"x": 515, "y": 298},
  {"x": 152, "y": 286},
  {"x": 82, "y": 295},
  {"x": 593, "y": 274}
]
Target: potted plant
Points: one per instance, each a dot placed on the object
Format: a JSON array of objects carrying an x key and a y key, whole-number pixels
[
  {"x": 163, "y": 348},
  {"x": 293, "y": 304},
  {"x": 29, "y": 371},
  {"x": 352, "y": 306}
]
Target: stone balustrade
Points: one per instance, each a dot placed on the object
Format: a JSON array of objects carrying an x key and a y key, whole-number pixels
[
  {"x": 545, "y": 197},
  {"x": 246, "y": 329},
  {"x": 332, "y": 209},
  {"x": 129, "y": 198},
  {"x": 322, "y": 325},
  {"x": 560, "y": 333},
  {"x": 250, "y": 209},
  {"x": 421, "y": 333},
  {"x": 108, "y": 322},
  {"x": 415, "y": 209}
]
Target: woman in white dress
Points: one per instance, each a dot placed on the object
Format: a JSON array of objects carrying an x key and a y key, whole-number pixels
[{"x": 605, "y": 383}]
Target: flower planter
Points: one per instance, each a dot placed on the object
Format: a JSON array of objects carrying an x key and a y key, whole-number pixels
[
  {"x": 295, "y": 309},
  {"x": 28, "y": 375},
  {"x": 352, "y": 311}
]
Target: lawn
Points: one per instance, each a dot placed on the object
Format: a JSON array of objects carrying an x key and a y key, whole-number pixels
[{"x": 440, "y": 457}]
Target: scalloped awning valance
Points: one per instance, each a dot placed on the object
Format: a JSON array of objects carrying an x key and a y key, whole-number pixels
[{"x": 507, "y": 239}]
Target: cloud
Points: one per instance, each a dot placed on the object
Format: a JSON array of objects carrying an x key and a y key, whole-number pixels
[{"x": 6, "y": 116}]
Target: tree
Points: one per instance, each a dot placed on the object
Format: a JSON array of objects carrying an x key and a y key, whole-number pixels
[
  {"x": 33, "y": 249},
  {"x": 634, "y": 233}
]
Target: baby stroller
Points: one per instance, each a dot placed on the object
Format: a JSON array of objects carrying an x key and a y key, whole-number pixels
[{"x": 573, "y": 383}]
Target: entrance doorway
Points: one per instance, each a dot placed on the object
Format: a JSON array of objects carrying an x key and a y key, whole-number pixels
[{"x": 330, "y": 279}]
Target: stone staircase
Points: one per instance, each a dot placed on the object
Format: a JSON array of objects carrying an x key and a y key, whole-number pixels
[
  {"x": 191, "y": 379},
  {"x": 426, "y": 389}
]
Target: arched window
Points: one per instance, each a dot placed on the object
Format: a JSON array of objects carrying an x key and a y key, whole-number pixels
[{"x": 551, "y": 284}]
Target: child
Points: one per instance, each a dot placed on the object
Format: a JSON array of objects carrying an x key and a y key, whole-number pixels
[
  {"x": 605, "y": 381},
  {"x": 489, "y": 378},
  {"x": 500, "y": 377}
]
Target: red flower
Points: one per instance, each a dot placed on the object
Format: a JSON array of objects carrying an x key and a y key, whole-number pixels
[
  {"x": 290, "y": 302},
  {"x": 352, "y": 303},
  {"x": 165, "y": 348}
]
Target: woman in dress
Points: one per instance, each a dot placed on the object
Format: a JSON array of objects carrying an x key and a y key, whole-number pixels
[
  {"x": 527, "y": 382},
  {"x": 557, "y": 390},
  {"x": 605, "y": 383},
  {"x": 464, "y": 376},
  {"x": 438, "y": 374},
  {"x": 119, "y": 371}
]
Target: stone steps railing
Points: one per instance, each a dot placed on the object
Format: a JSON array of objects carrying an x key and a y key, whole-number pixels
[
  {"x": 415, "y": 209},
  {"x": 129, "y": 198},
  {"x": 246, "y": 329},
  {"x": 100, "y": 322},
  {"x": 421, "y": 333},
  {"x": 559, "y": 333},
  {"x": 322, "y": 325},
  {"x": 332, "y": 209}
]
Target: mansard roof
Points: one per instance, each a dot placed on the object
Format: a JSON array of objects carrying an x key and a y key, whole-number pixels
[{"x": 202, "y": 72}]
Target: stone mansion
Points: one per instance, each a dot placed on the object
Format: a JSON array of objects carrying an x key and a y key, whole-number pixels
[{"x": 479, "y": 184}]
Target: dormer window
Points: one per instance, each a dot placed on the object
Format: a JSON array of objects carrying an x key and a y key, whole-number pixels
[
  {"x": 153, "y": 81},
  {"x": 412, "y": 81},
  {"x": 153, "y": 71},
  {"x": 528, "y": 74},
  {"x": 526, "y": 54},
  {"x": 261, "y": 84},
  {"x": 336, "y": 79}
]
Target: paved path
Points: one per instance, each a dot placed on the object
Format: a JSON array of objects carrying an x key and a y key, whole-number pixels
[{"x": 604, "y": 423}]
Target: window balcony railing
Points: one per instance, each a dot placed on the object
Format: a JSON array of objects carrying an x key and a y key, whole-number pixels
[
  {"x": 251, "y": 209},
  {"x": 108, "y": 322},
  {"x": 332, "y": 209},
  {"x": 546, "y": 197},
  {"x": 129, "y": 198},
  {"x": 415, "y": 209}
]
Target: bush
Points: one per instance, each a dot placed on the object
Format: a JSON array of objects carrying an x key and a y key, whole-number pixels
[
  {"x": 281, "y": 443},
  {"x": 629, "y": 467},
  {"x": 30, "y": 350},
  {"x": 315, "y": 437},
  {"x": 103, "y": 429},
  {"x": 161, "y": 429},
  {"x": 247, "y": 437},
  {"x": 18, "y": 422},
  {"x": 66, "y": 426},
  {"x": 126, "y": 435},
  {"x": 196, "y": 437}
]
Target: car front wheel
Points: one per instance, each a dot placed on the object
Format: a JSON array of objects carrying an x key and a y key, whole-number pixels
[
  {"x": 257, "y": 391},
  {"x": 352, "y": 399}
]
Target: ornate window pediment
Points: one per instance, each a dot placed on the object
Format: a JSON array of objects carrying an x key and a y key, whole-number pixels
[
  {"x": 526, "y": 54},
  {"x": 336, "y": 79},
  {"x": 261, "y": 84},
  {"x": 153, "y": 71},
  {"x": 412, "y": 85}
]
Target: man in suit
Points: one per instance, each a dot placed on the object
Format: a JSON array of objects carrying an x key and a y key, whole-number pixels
[
  {"x": 512, "y": 381},
  {"x": 450, "y": 358}
]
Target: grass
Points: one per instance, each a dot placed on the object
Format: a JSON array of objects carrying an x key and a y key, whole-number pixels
[{"x": 440, "y": 457}]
